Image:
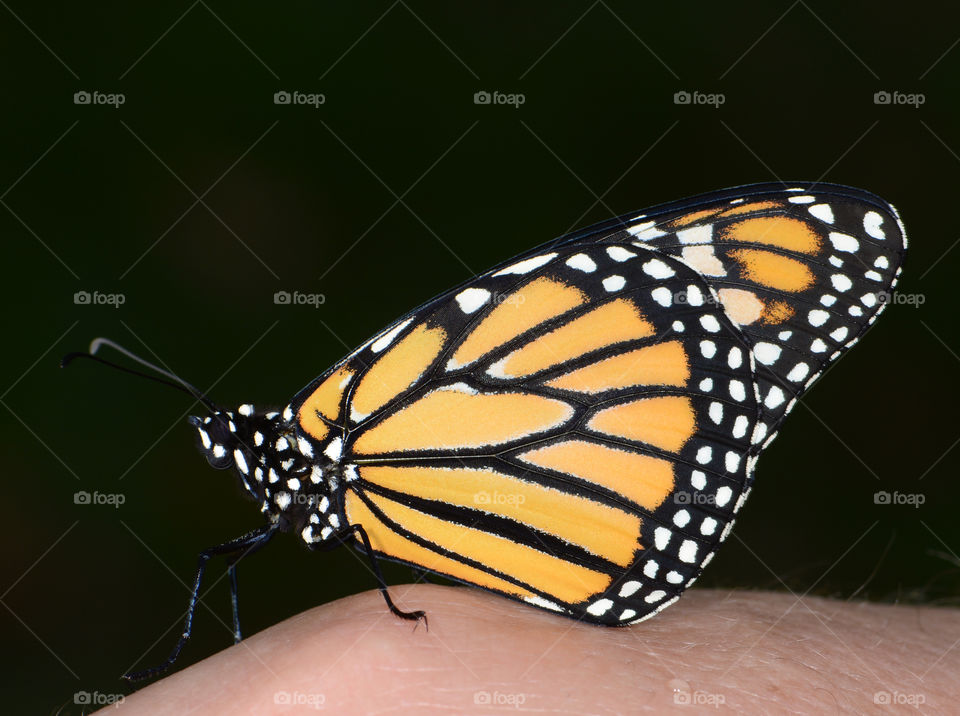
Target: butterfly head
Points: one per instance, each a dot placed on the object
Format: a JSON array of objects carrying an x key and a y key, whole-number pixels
[{"x": 276, "y": 466}]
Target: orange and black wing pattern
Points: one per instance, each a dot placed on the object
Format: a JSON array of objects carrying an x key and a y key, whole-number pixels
[{"x": 577, "y": 428}]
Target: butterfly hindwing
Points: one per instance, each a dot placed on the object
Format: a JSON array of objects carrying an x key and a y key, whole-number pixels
[{"x": 556, "y": 431}]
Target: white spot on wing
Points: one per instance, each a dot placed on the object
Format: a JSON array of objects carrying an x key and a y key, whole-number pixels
[
  {"x": 600, "y": 607},
  {"x": 657, "y": 269},
  {"x": 774, "y": 398},
  {"x": 798, "y": 372},
  {"x": 822, "y": 212},
  {"x": 543, "y": 603},
  {"x": 662, "y": 296},
  {"x": 841, "y": 282},
  {"x": 614, "y": 283},
  {"x": 737, "y": 390},
  {"x": 387, "y": 338},
  {"x": 703, "y": 258},
  {"x": 619, "y": 254},
  {"x": 844, "y": 242},
  {"x": 766, "y": 353},
  {"x": 696, "y": 235},
  {"x": 661, "y": 537},
  {"x": 710, "y": 322},
  {"x": 723, "y": 496},
  {"x": 581, "y": 262},
  {"x": 872, "y": 223},
  {"x": 716, "y": 412},
  {"x": 526, "y": 266},
  {"x": 740, "y": 426},
  {"x": 688, "y": 552},
  {"x": 817, "y": 317},
  {"x": 471, "y": 299},
  {"x": 646, "y": 230}
]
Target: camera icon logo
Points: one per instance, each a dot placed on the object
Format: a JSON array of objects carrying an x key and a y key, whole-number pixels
[
  {"x": 282, "y": 298},
  {"x": 881, "y": 498},
  {"x": 281, "y": 97},
  {"x": 81, "y": 498},
  {"x": 682, "y": 97},
  {"x": 82, "y": 298},
  {"x": 882, "y": 97},
  {"x": 82, "y": 97},
  {"x": 482, "y": 97}
]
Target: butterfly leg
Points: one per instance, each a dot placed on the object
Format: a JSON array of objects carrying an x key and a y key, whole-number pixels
[
  {"x": 350, "y": 531},
  {"x": 237, "y": 548},
  {"x": 234, "y": 592}
]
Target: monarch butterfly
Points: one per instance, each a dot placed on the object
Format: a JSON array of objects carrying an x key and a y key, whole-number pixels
[{"x": 577, "y": 427}]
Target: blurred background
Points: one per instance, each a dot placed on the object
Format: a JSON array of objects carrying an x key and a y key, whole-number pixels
[{"x": 155, "y": 188}]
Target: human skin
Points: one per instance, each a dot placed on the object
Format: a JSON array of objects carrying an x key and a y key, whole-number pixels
[{"x": 755, "y": 652}]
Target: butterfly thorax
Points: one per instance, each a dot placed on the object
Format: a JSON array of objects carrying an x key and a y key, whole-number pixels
[{"x": 276, "y": 467}]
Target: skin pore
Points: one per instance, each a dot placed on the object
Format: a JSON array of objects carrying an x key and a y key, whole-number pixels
[{"x": 712, "y": 651}]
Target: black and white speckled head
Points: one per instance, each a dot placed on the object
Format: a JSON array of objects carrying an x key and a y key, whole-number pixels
[{"x": 276, "y": 466}]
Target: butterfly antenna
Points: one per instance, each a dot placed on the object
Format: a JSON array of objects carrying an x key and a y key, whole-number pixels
[{"x": 171, "y": 379}]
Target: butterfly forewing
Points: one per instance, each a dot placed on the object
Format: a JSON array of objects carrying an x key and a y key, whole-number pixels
[{"x": 803, "y": 272}]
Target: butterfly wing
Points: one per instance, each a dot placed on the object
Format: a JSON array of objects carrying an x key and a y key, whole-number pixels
[
  {"x": 803, "y": 272},
  {"x": 578, "y": 427}
]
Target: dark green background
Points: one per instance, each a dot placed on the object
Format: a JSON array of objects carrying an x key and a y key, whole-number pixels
[{"x": 307, "y": 199}]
